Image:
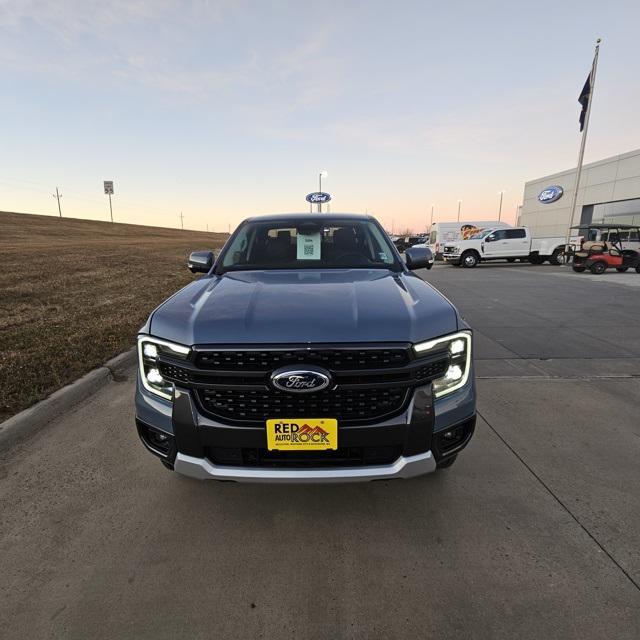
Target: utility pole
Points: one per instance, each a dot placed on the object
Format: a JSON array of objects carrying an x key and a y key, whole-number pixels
[
  {"x": 181, "y": 221},
  {"x": 57, "y": 196},
  {"x": 207, "y": 228},
  {"x": 459, "y": 203},
  {"x": 431, "y": 222}
]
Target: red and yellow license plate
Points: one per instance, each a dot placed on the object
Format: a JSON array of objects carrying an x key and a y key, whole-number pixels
[{"x": 302, "y": 434}]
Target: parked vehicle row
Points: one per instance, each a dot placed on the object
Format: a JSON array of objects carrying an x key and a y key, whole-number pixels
[{"x": 404, "y": 242}]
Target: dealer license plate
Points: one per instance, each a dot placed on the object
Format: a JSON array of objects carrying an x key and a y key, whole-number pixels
[{"x": 302, "y": 434}]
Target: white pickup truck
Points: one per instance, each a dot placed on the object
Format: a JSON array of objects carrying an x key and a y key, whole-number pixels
[{"x": 503, "y": 244}]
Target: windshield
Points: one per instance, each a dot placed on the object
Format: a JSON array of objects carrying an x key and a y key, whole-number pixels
[{"x": 308, "y": 243}]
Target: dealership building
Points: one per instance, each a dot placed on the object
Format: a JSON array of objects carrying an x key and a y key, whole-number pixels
[{"x": 609, "y": 193}]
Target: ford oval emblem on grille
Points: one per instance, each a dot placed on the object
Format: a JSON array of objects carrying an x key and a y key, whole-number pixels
[{"x": 300, "y": 380}]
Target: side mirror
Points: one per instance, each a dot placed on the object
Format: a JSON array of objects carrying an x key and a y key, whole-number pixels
[
  {"x": 490, "y": 238},
  {"x": 418, "y": 258},
  {"x": 200, "y": 261}
]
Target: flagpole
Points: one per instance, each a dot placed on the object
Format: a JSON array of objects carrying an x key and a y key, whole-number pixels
[{"x": 574, "y": 197}]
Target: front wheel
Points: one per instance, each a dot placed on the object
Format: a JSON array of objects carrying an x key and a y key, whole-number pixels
[
  {"x": 579, "y": 269},
  {"x": 469, "y": 259},
  {"x": 622, "y": 269},
  {"x": 598, "y": 268}
]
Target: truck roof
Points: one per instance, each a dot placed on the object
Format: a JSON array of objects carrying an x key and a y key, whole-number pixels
[{"x": 315, "y": 216}]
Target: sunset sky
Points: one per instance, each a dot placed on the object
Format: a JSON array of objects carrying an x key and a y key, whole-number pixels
[{"x": 227, "y": 109}]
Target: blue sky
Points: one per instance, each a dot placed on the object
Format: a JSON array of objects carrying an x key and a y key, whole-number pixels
[{"x": 226, "y": 109}]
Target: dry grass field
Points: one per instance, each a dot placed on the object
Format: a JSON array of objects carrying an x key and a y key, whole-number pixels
[{"x": 73, "y": 293}]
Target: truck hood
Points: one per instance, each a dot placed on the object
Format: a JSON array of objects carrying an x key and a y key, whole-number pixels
[{"x": 262, "y": 307}]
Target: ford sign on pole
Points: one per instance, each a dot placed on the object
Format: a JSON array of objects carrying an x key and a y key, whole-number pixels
[
  {"x": 318, "y": 197},
  {"x": 551, "y": 194}
]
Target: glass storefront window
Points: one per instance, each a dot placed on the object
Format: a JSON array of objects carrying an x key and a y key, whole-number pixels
[{"x": 622, "y": 212}]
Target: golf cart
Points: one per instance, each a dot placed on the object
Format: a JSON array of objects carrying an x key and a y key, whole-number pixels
[{"x": 608, "y": 245}]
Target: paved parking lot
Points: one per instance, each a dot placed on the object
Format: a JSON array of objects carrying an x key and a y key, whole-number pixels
[{"x": 534, "y": 533}]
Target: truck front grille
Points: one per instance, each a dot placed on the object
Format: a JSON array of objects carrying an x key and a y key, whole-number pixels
[
  {"x": 347, "y": 405},
  {"x": 333, "y": 359},
  {"x": 369, "y": 382}
]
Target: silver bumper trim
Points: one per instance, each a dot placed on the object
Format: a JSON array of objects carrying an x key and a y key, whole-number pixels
[{"x": 408, "y": 467}]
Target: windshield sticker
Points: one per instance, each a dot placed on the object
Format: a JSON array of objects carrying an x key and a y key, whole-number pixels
[{"x": 308, "y": 246}]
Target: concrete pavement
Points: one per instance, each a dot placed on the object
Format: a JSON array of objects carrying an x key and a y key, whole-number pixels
[{"x": 533, "y": 533}]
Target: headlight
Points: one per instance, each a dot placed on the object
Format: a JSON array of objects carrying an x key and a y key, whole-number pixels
[
  {"x": 459, "y": 347},
  {"x": 149, "y": 350}
]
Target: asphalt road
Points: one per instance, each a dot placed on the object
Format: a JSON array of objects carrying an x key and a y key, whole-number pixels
[{"x": 533, "y": 533}]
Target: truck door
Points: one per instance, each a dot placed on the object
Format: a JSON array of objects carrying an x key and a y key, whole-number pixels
[
  {"x": 516, "y": 242},
  {"x": 492, "y": 244}
]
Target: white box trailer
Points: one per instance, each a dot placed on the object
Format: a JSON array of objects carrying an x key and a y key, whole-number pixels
[{"x": 447, "y": 232}]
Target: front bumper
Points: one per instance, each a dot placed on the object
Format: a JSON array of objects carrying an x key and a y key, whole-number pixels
[
  {"x": 203, "y": 469},
  {"x": 417, "y": 434}
]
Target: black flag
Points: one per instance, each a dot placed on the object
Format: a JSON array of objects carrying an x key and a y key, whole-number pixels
[{"x": 584, "y": 98}]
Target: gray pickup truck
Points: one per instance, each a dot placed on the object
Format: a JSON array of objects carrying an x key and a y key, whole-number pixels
[{"x": 308, "y": 352}]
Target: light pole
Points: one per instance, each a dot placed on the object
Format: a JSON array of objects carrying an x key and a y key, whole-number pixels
[
  {"x": 500, "y": 193},
  {"x": 321, "y": 174},
  {"x": 431, "y": 221},
  {"x": 459, "y": 203}
]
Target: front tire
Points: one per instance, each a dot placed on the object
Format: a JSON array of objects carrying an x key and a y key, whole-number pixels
[
  {"x": 446, "y": 463},
  {"x": 469, "y": 259},
  {"x": 557, "y": 257},
  {"x": 598, "y": 268},
  {"x": 579, "y": 269}
]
